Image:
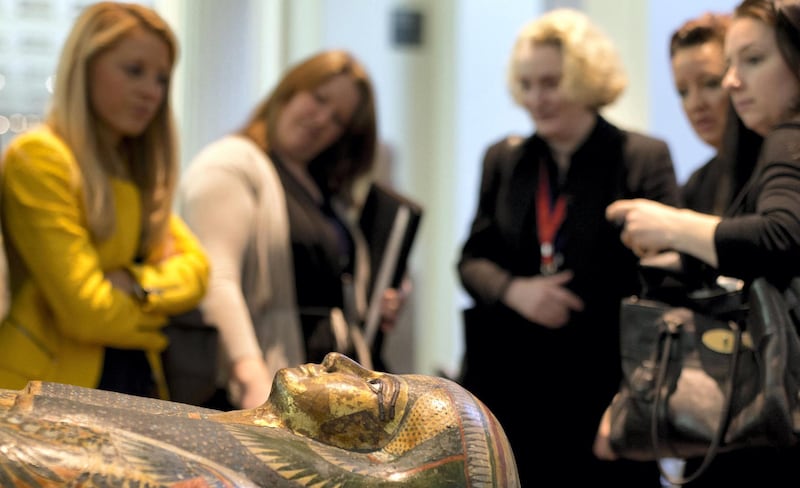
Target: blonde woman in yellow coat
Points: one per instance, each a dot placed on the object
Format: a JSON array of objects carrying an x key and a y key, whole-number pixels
[{"x": 97, "y": 259}]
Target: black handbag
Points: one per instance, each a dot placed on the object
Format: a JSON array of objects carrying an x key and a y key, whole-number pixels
[
  {"x": 190, "y": 359},
  {"x": 719, "y": 373}
]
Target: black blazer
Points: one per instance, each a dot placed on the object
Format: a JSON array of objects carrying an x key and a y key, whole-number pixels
[
  {"x": 503, "y": 243},
  {"x": 761, "y": 233},
  {"x": 503, "y": 240},
  {"x": 572, "y": 372}
]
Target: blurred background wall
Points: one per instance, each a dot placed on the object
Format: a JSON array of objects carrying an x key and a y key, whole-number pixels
[{"x": 439, "y": 72}]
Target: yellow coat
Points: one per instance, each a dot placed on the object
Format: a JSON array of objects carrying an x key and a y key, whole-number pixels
[{"x": 63, "y": 311}]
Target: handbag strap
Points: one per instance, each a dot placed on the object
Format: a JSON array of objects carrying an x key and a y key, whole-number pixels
[{"x": 671, "y": 329}]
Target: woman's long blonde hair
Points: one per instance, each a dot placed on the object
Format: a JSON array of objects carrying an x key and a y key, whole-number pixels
[{"x": 152, "y": 156}]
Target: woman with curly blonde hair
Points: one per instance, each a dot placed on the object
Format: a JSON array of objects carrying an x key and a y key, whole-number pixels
[{"x": 545, "y": 269}]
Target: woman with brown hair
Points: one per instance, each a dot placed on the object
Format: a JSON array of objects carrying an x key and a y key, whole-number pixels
[
  {"x": 698, "y": 66},
  {"x": 759, "y": 234},
  {"x": 274, "y": 207}
]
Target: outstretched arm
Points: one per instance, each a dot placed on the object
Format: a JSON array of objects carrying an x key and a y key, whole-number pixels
[{"x": 649, "y": 228}]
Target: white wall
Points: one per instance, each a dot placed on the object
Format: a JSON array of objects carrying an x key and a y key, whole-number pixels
[
  {"x": 230, "y": 54},
  {"x": 414, "y": 88},
  {"x": 484, "y": 110},
  {"x": 484, "y": 113}
]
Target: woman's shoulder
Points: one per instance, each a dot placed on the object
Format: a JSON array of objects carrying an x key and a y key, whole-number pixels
[
  {"x": 38, "y": 138},
  {"x": 635, "y": 143},
  {"x": 231, "y": 160},
  {"x": 507, "y": 145},
  {"x": 636, "y": 140},
  {"x": 783, "y": 142},
  {"x": 39, "y": 148},
  {"x": 231, "y": 154},
  {"x": 710, "y": 168},
  {"x": 785, "y": 130},
  {"x": 509, "y": 142},
  {"x": 229, "y": 150},
  {"x": 501, "y": 153}
]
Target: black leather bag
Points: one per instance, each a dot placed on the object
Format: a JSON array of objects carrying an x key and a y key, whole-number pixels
[
  {"x": 190, "y": 359},
  {"x": 719, "y": 375}
]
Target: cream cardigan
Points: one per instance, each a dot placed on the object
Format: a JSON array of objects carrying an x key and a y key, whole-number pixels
[{"x": 232, "y": 198}]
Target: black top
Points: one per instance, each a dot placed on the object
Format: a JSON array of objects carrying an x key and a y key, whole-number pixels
[
  {"x": 762, "y": 237},
  {"x": 323, "y": 250},
  {"x": 712, "y": 187},
  {"x": 503, "y": 240}
]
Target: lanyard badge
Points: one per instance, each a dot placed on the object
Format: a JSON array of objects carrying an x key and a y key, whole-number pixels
[{"x": 550, "y": 214}]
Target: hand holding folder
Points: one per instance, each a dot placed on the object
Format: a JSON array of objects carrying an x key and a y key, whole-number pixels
[{"x": 389, "y": 222}]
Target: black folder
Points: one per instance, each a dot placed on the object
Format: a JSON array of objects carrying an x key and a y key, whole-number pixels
[{"x": 389, "y": 222}]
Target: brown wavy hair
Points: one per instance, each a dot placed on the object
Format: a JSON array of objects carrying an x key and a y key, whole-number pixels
[
  {"x": 709, "y": 27},
  {"x": 353, "y": 155}
]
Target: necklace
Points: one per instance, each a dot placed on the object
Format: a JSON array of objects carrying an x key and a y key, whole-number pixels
[{"x": 550, "y": 214}]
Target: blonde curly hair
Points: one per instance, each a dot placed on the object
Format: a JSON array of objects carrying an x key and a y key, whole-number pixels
[{"x": 593, "y": 74}]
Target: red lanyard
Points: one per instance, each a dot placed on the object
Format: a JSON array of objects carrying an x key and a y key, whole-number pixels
[{"x": 549, "y": 217}]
